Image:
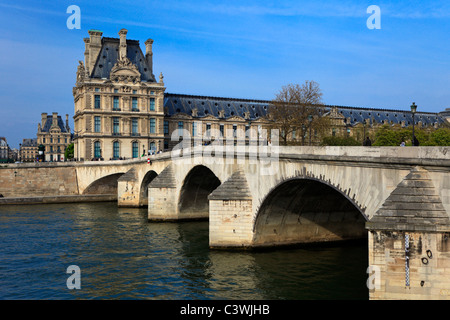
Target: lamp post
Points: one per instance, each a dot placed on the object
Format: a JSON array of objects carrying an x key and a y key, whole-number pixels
[
  {"x": 413, "y": 111},
  {"x": 364, "y": 130},
  {"x": 310, "y": 122}
]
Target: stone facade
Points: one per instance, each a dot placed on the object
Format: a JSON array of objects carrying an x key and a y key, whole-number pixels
[
  {"x": 118, "y": 102},
  {"x": 54, "y": 135},
  {"x": 28, "y": 150}
]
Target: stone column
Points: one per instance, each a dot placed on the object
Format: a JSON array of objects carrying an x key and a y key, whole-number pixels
[
  {"x": 409, "y": 243},
  {"x": 230, "y": 214}
]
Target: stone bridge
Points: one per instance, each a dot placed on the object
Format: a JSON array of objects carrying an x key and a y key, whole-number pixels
[{"x": 396, "y": 197}]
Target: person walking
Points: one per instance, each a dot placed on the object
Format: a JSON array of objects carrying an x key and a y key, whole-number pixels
[{"x": 367, "y": 142}]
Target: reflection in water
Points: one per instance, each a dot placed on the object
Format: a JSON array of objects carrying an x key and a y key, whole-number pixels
[{"x": 123, "y": 256}]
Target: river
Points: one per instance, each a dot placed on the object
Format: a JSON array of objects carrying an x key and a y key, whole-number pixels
[{"x": 121, "y": 255}]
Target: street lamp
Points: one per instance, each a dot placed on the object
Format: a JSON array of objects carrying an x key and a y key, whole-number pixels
[
  {"x": 364, "y": 130},
  {"x": 310, "y": 121},
  {"x": 413, "y": 111}
]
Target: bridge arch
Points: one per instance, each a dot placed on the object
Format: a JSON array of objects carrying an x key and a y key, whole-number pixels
[
  {"x": 143, "y": 194},
  {"x": 306, "y": 210},
  {"x": 104, "y": 185},
  {"x": 193, "y": 197}
]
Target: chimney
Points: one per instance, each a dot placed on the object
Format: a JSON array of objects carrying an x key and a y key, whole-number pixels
[
  {"x": 67, "y": 122},
  {"x": 95, "y": 45},
  {"x": 43, "y": 119},
  {"x": 149, "y": 54},
  {"x": 123, "y": 43},
  {"x": 54, "y": 119},
  {"x": 86, "y": 53}
]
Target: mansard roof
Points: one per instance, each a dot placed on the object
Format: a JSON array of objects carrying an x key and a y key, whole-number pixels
[
  {"x": 109, "y": 54},
  {"x": 29, "y": 142},
  {"x": 255, "y": 109},
  {"x": 48, "y": 124},
  {"x": 244, "y": 108},
  {"x": 358, "y": 115}
]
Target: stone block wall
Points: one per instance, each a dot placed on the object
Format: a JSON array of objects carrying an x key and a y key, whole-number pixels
[
  {"x": 38, "y": 181},
  {"x": 162, "y": 204},
  {"x": 417, "y": 269},
  {"x": 230, "y": 223}
]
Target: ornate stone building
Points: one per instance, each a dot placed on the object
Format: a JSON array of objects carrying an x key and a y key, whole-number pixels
[
  {"x": 122, "y": 111},
  {"x": 54, "y": 135},
  {"x": 28, "y": 150},
  {"x": 118, "y": 102}
]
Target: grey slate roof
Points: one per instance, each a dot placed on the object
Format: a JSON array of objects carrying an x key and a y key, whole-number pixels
[
  {"x": 48, "y": 124},
  {"x": 109, "y": 55},
  {"x": 178, "y": 103},
  {"x": 29, "y": 142},
  {"x": 357, "y": 115},
  {"x": 181, "y": 103}
]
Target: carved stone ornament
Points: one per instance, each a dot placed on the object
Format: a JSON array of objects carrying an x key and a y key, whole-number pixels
[
  {"x": 125, "y": 71},
  {"x": 126, "y": 89},
  {"x": 81, "y": 72}
]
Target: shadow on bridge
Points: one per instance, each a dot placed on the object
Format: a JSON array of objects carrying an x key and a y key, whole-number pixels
[{"x": 307, "y": 211}]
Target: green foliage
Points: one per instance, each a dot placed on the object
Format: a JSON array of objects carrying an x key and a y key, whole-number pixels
[
  {"x": 440, "y": 137},
  {"x": 340, "y": 141},
  {"x": 385, "y": 136},
  {"x": 69, "y": 152},
  {"x": 389, "y": 136}
]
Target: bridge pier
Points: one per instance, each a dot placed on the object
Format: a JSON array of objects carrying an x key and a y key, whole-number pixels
[
  {"x": 128, "y": 189},
  {"x": 230, "y": 214},
  {"x": 163, "y": 197},
  {"x": 409, "y": 243}
]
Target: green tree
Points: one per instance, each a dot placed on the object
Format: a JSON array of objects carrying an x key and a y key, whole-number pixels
[
  {"x": 69, "y": 152},
  {"x": 340, "y": 141},
  {"x": 386, "y": 136},
  {"x": 391, "y": 136},
  {"x": 440, "y": 137}
]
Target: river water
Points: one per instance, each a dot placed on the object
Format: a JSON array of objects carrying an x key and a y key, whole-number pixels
[{"x": 123, "y": 256}]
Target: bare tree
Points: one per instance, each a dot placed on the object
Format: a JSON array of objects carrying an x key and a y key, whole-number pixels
[{"x": 297, "y": 108}]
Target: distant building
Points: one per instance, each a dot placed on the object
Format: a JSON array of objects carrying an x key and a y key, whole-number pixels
[
  {"x": 28, "y": 150},
  {"x": 54, "y": 135},
  {"x": 4, "y": 150}
]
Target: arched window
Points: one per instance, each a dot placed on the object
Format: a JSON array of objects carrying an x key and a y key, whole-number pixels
[
  {"x": 116, "y": 150},
  {"x": 135, "y": 149}
]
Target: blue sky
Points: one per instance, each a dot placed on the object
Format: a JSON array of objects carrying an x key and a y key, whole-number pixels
[{"x": 238, "y": 49}]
